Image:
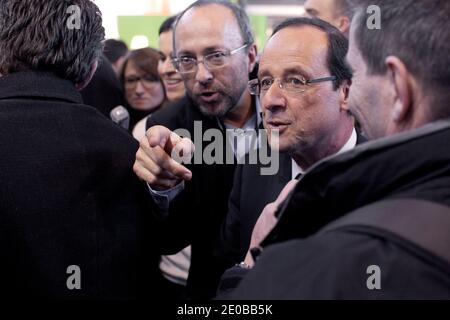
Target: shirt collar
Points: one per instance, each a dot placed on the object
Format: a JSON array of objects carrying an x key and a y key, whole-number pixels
[
  {"x": 349, "y": 145},
  {"x": 253, "y": 123}
]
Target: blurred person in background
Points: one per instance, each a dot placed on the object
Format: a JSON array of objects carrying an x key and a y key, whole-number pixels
[
  {"x": 336, "y": 12},
  {"x": 142, "y": 84},
  {"x": 115, "y": 51},
  {"x": 104, "y": 91},
  {"x": 174, "y": 268},
  {"x": 173, "y": 83}
]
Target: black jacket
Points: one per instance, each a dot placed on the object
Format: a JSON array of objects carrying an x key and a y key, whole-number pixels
[
  {"x": 104, "y": 92},
  {"x": 196, "y": 214},
  {"x": 68, "y": 196},
  {"x": 413, "y": 165},
  {"x": 250, "y": 194}
]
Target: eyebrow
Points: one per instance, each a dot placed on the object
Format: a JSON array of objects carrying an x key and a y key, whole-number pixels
[
  {"x": 205, "y": 51},
  {"x": 312, "y": 12},
  {"x": 289, "y": 71}
]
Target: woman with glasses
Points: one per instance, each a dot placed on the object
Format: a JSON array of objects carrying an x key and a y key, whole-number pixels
[{"x": 144, "y": 90}]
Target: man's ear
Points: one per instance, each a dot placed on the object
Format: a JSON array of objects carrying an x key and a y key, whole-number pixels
[
  {"x": 82, "y": 85},
  {"x": 402, "y": 84},
  {"x": 344, "y": 92},
  {"x": 252, "y": 55},
  {"x": 343, "y": 24}
]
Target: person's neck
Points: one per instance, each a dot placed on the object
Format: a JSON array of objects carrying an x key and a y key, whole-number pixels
[
  {"x": 241, "y": 113},
  {"x": 327, "y": 146}
]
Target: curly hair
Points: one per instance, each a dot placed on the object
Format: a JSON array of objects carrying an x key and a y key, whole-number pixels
[{"x": 35, "y": 35}]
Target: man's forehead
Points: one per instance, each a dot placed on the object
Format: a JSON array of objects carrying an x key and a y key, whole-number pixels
[
  {"x": 213, "y": 25},
  {"x": 319, "y": 6},
  {"x": 206, "y": 19},
  {"x": 306, "y": 45}
]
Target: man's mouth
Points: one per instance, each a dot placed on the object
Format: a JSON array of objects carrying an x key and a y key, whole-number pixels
[
  {"x": 279, "y": 125},
  {"x": 209, "y": 96}
]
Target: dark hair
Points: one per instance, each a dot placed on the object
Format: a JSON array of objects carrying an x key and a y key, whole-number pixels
[
  {"x": 337, "y": 46},
  {"x": 417, "y": 32},
  {"x": 344, "y": 8},
  {"x": 238, "y": 12},
  {"x": 114, "y": 49},
  {"x": 145, "y": 59},
  {"x": 167, "y": 24},
  {"x": 34, "y": 35}
]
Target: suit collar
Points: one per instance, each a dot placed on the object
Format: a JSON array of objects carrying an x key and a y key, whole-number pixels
[{"x": 38, "y": 84}]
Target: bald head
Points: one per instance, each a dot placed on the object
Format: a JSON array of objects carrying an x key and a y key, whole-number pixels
[{"x": 215, "y": 29}]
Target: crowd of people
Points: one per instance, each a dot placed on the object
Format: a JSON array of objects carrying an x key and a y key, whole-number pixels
[{"x": 356, "y": 116}]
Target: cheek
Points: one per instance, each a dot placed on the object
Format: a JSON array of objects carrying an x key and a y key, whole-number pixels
[
  {"x": 129, "y": 93},
  {"x": 157, "y": 95},
  {"x": 356, "y": 96},
  {"x": 314, "y": 113},
  {"x": 160, "y": 68},
  {"x": 189, "y": 84}
]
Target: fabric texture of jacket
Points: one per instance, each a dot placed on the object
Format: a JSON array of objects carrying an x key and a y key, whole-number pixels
[
  {"x": 68, "y": 196},
  {"x": 298, "y": 264}
]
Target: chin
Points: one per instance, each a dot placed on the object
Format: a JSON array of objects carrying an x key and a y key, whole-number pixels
[
  {"x": 144, "y": 107},
  {"x": 281, "y": 146},
  {"x": 175, "y": 95},
  {"x": 216, "y": 110}
]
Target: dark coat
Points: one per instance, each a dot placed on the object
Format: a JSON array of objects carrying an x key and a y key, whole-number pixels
[
  {"x": 68, "y": 196},
  {"x": 250, "y": 194},
  {"x": 304, "y": 265},
  {"x": 104, "y": 92}
]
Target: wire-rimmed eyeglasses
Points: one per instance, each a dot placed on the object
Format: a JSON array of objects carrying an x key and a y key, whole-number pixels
[
  {"x": 214, "y": 60},
  {"x": 293, "y": 84}
]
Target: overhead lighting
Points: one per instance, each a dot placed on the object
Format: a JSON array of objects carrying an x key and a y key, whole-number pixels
[{"x": 139, "y": 42}]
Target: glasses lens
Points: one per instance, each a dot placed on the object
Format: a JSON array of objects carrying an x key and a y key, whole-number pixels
[
  {"x": 253, "y": 87},
  {"x": 148, "y": 81},
  {"x": 215, "y": 60},
  {"x": 186, "y": 64},
  {"x": 266, "y": 84},
  {"x": 131, "y": 82}
]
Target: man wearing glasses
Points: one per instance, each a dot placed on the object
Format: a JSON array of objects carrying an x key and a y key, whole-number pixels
[
  {"x": 303, "y": 84},
  {"x": 373, "y": 223},
  {"x": 214, "y": 53}
]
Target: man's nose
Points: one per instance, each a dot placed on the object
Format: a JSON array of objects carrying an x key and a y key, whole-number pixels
[
  {"x": 168, "y": 66},
  {"x": 203, "y": 75},
  {"x": 274, "y": 98}
]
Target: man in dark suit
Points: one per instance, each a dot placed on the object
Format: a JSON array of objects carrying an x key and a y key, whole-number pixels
[
  {"x": 74, "y": 219},
  {"x": 215, "y": 52},
  {"x": 373, "y": 223},
  {"x": 312, "y": 120}
]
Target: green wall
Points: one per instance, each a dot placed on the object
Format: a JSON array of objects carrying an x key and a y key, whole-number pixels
[{"x": 129, "y": 26}]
